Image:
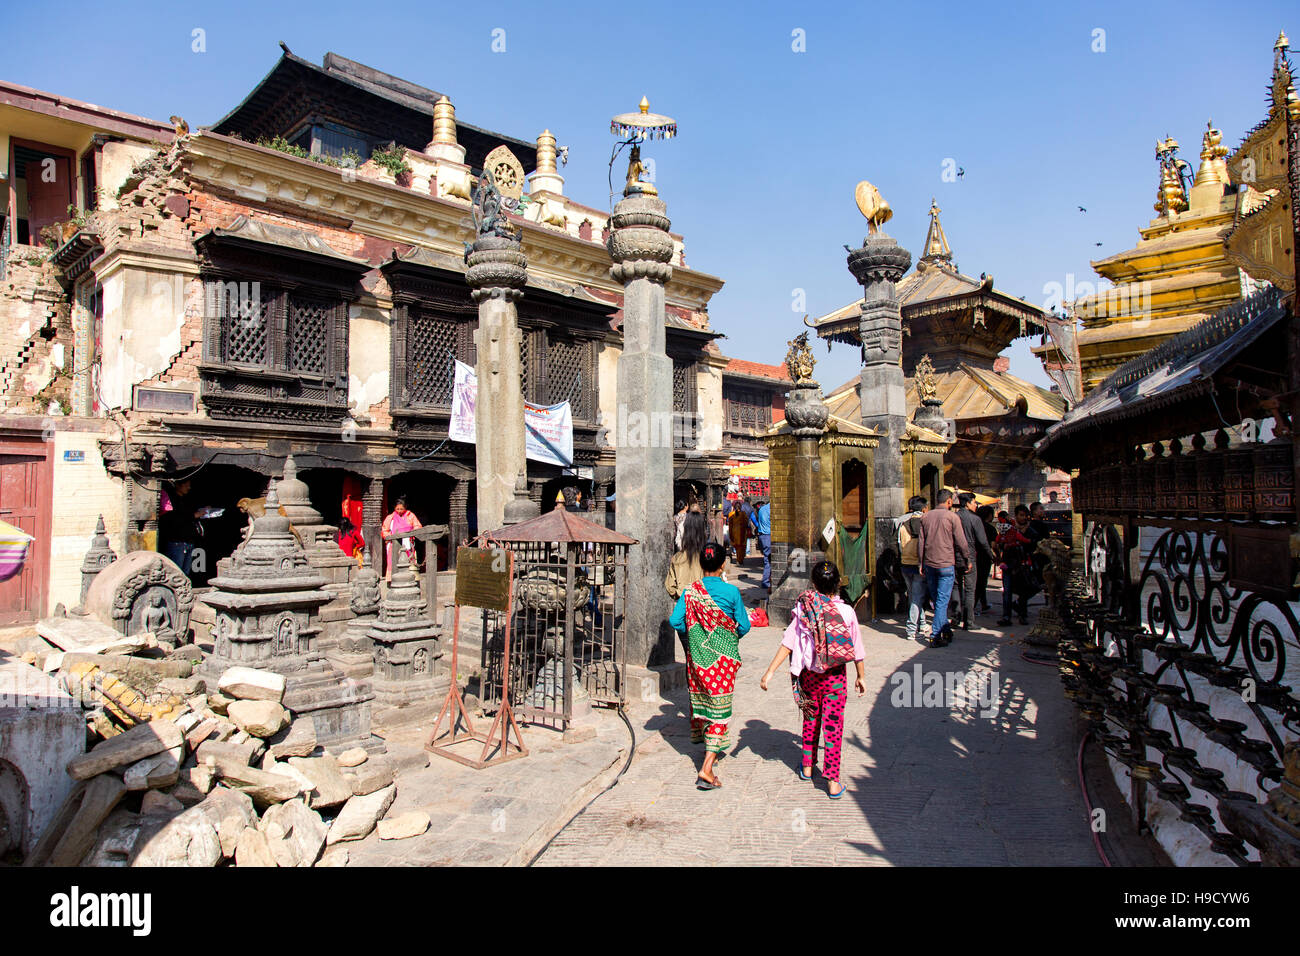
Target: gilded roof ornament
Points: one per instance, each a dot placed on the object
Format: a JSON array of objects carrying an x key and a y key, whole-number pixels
[
  {"x": 1171, "y": 196},
  {"x": 927, "y": 388},
  {"x": 799, "y": 361},
  {"x": 936, "y": 243},
  {"x": 1213, "y": 168},
  {"x": 872, "y": 206}
]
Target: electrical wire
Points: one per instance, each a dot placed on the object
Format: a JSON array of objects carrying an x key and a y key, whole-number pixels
[{"x": 1087, "y": 802}]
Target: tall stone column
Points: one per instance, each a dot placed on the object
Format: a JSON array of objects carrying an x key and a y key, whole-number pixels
[
  {"x": 878, "y": 265},
  {"x": 372, "y": 520},
  {"x": 643, "y": 473},
  {"x": 497, "y": 273}
]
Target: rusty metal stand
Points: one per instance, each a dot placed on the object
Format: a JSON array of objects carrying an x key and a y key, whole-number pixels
[{"x": 497, "y": 740}]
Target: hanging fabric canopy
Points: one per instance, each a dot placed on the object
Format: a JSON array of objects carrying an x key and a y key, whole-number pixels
[
  {"x": 14, "y": 543},
  {"x": 979, "y": 498},
  {"x": 755, "y": 469}
]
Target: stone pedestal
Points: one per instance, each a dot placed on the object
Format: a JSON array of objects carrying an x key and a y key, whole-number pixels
[
  {"x": 877, "y": 266},
  {"x": 641, "y": 248},
  {"x": 497, "y": 273},
  {"x": 320, "y": 544},
  {"x": 409, "y": 686},
  {"x": 807, "y": 415},
  {"x": 267, "y": 603}
]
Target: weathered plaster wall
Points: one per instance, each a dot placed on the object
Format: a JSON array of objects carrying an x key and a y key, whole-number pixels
[
  {"x": 607, "y": 399},
  {"x": 36, "y": 335},
  {"x": 708, "y": 404},
  {"x": 369, "y": 340},
  {"x": 115, "y": 164},
  {"x": 94, "y": 492},
  {"x": 144, "y": 325}
]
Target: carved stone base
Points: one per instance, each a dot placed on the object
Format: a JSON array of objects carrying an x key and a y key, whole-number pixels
[{"x": 1047, "y": 630}]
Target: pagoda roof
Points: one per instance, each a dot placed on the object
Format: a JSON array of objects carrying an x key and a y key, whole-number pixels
[{"x": 967, "y": 393}]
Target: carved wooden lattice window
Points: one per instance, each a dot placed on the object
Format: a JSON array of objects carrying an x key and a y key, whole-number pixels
[
  {"x": 684, "y": 435},
  {"x": 748, "y": 409},
  {"x": 431, "y": 349},
  {"x": 525, "y": 361},
  {"x": 308, "y": 335},
  {"x": 566, "y": 369},
  {"x": 245, "y": 319}
]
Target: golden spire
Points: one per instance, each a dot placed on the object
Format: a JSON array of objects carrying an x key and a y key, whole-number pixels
[
  {"x": 1213, "y": 168},
  {"x": 645, "y": 104},
  {"x": 546, "y": 153},
  {"x": 936, "y": 243},
  {"x": 444, "y": 122},
  {"x": 1282, "y": 44}
]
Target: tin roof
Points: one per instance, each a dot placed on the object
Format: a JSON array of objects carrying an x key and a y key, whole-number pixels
[{"x": 560, "y": 525}]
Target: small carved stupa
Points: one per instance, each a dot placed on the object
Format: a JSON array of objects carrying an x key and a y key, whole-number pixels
[
  {"x": 406, "y": 647},
  {"x": 267, "y": 603}
]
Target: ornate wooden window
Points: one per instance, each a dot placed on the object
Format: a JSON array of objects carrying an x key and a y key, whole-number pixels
[
  {"x": 433, "y": 344},
  {"x": 275, "y": 344},
  {"x": 569, "y": 375},
  {"x": 748, "y": 409},
  {"x": 684, "y": 391}
]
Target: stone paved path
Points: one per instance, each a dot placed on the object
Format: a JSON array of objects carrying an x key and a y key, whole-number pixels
[{"x": 926, "y": 785}]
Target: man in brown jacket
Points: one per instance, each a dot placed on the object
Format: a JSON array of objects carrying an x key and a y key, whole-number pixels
[{"x": 940, "y": 544}]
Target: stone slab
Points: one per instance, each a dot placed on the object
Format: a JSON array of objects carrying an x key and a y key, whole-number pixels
[
  {"x": 142, "y": 740},
  {"x": 249, "y": 683},
  {"x": 360, "y": 815}
]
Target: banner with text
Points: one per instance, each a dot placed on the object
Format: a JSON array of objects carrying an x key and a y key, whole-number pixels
[{"x": 548, "y": 429}]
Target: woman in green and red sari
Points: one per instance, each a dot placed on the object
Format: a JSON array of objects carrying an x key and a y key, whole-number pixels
[{"x": 712, "y": 615}]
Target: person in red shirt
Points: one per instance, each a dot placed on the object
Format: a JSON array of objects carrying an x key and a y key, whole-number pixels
[{"x": 350, "y": 541}]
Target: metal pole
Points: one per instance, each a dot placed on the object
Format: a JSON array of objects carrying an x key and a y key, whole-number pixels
[{"x": 570, "y": 580}]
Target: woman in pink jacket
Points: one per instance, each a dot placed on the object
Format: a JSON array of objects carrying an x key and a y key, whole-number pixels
[{"x": 822, "y": 638}]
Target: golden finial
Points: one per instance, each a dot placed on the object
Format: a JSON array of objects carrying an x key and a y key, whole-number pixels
[
  {"x": 873, "y": 206},
  {"x": 1213, "y": 169},
  {"x": 799, "y": 361},
  {"x": 444, "y": 122},
  {"x": 546, "y": 153},
  {"x": 645, "y": 104},
  {"x": 1170, "y": 195},
  {"x": 1282, "y": 44},
  {"x": 936, "y": 243}
]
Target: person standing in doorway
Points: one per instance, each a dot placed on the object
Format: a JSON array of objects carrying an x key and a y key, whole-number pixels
[
  {"x": 763, "y": 530},
  {"x": 979, "y": 543},
  {"x": 984, "y": 564},
  {"x": 909, "y": 531},
  {"x": 941, "y": 542}
]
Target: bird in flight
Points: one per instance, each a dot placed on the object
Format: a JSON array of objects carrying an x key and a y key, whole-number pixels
[
  {"x": 1096, "y": 243},
  {"x": 961, "y": 171},
  {"x": 1081, "y": 209}
]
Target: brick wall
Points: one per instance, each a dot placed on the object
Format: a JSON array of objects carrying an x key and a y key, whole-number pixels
[{"x": 36, "y": 341}]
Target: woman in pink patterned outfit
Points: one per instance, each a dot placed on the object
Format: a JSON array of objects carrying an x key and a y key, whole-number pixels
[{"x": 822, "y": 637}]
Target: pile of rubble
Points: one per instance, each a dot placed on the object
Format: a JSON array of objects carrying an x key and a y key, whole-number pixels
[{"x": 187, "y": 777}]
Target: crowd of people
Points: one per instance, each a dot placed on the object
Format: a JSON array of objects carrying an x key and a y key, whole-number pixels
[{"x": 947, "y": 554}]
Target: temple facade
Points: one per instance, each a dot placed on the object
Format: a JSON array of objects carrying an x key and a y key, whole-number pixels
[
  {"x": 954, "y": 327},
  {"x": 292, "y": 281}
]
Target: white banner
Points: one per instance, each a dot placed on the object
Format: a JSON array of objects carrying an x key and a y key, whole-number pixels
[{"x": 548, "y": 430}]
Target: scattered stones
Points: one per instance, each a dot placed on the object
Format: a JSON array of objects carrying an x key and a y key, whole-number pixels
[
  {"x": 200, "y": 732},
  {"x": 360, "y": 814},
  {"x": 218, "y": 703},
  {"x": 260, "y": 718},
  {"x": 155, "y": 802},
  {"x": 230, "y": 813},
  {"x": 224, "y": 752},
  {"x": 294, "y": 833},
  {"x": 116, "y": 839},
  {"x": 187, "y": 793},
  {"x": 88, "y": 635},
  {"x": 371, "y": 776},
  {"x": 142, "y": 740},
  {"x": 354, "y": 757},
  {"x": 247, "y": 683},
  {"x": 331, "y": 789},
  {"x": 100, "y": 797},
  {"x": 334, "y": 856},
  {"x": 403, "y": 826},
  {"x": 189, "y": 839},
  {"x": 265, "y": 789},
  {"x": 160, "y": 770},
  {"x": 182, "y": 686},
  {"x": 199, "y": 778},
  {"x": 252, "y": 849},
  {"x": 297, "y": 740}
]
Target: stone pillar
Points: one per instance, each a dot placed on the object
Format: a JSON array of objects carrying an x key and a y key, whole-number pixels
[
  {"x": 641, "y": 248},
  {"x": 807, "y": 414},
  {"x": 877, "y": 265},
  {"x": 458, "y": 523},
  {"x": 497, "y": 273},
  {"x": 372, "y": 520}
]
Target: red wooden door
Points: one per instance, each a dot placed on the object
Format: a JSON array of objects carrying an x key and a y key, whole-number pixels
[
  {"x": 49, "y": 194},
  {"x": 24, "y": 503}
]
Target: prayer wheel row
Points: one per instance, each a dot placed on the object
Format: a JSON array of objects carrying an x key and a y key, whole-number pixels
[{"x": 1249, "y": 483}]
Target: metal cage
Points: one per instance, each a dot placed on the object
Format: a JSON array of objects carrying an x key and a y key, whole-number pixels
[{"x": 568, "y": 645}]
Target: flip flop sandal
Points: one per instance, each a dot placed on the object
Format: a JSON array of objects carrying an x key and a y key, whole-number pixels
[
  {"x": 702, "y": 784},
  {"x": 836, "y": 796},
  {"x": 805, "y": 776}
]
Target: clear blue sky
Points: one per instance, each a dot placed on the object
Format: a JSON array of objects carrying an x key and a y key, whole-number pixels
[{"x": 772, "y": 141}]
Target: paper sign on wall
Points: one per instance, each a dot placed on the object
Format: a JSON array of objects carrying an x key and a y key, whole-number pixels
[{"x": 828, "y": 532}]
